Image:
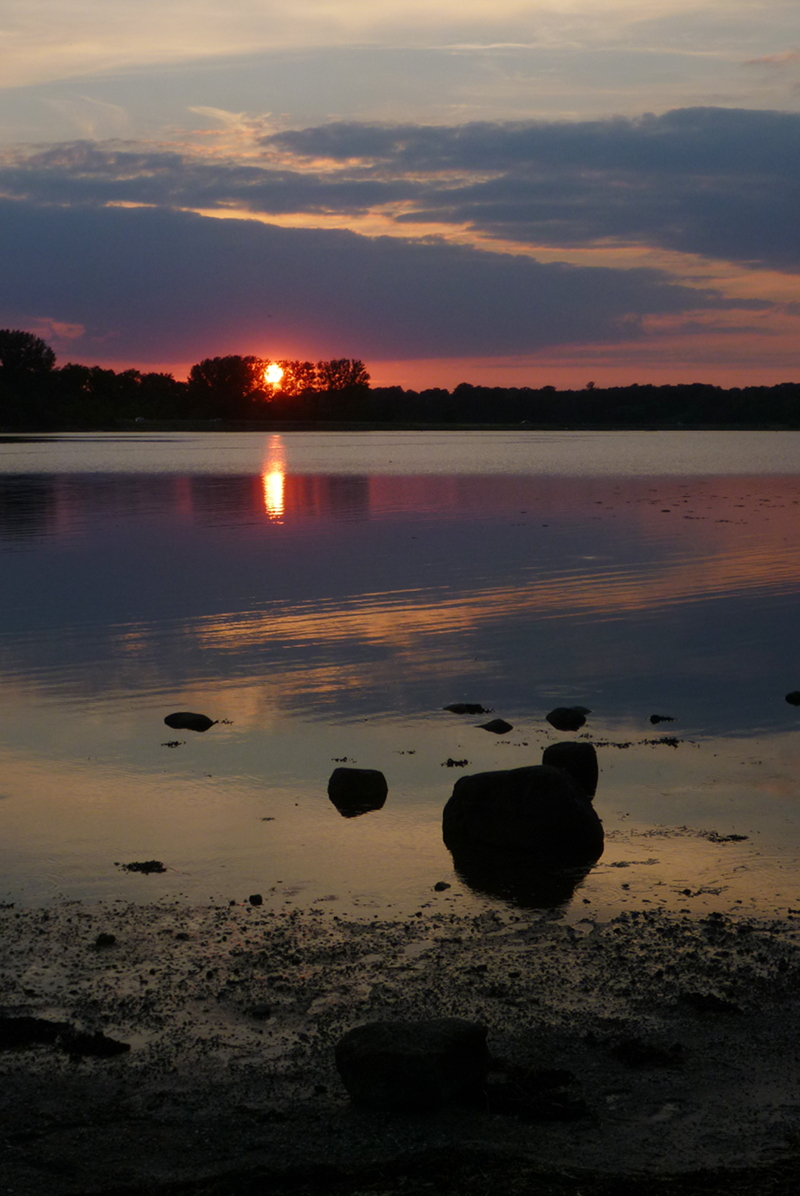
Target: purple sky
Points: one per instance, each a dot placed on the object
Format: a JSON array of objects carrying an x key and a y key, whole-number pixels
[{"x": 516, "y": 193}]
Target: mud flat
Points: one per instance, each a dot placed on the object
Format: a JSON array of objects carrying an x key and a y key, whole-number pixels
[{"x": 653, "y": 1053}]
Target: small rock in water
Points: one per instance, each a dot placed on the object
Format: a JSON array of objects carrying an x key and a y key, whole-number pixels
[
  {"x": 467, "y": 708},
  {"x": 568, "y": 718},
  {"x": 498, "y": 726},
  {"x": 186, "y": 720},
  {"x": 662, "y": 718},
  {"x": 145, "y": 866},
  {"x": 794, "y": 697},
  {"x": 356, "y": 791}
]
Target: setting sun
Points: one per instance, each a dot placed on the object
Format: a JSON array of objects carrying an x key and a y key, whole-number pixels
[{"x": 273, "y": 374}]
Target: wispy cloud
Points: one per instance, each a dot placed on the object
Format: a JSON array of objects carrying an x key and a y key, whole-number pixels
[
  {"x": 59, "y": 39},
  {"x": 779, "y": 61}
]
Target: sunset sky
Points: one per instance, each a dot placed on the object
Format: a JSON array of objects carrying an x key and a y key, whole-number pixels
[{"x": 532, "y": 192}]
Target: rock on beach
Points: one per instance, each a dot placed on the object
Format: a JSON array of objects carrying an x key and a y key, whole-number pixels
[
  {"x": 231, "y": 1083},
  {"x": 414, "y": 1066}
]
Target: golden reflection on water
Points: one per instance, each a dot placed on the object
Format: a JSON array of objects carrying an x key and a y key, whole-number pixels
[
  {"x": 247, "y": 810},
  {"x": 273, "y": 479},
  {"x": 402, "y": 617}
]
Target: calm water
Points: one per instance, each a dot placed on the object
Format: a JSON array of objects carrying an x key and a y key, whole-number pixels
[{"x": 325, "y": 595}]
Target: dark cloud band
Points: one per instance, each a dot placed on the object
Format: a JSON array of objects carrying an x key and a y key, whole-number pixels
[
  {"x": 163, "y": 285},
  {"x": 723, "y": 183}
]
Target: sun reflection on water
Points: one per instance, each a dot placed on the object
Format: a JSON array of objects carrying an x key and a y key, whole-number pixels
[{"x": 273, "y": 479}]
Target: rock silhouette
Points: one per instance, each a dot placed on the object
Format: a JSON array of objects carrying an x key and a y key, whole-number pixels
[
  {"x": 498, "y": 726},
  {"x": 21, "y": 1032},
  {"x": 568, "y": 718},
  {"x": 186, "y": 720},
  {"x": 467, "y": 708},
  {"x": 539, "y": 811},
  {"x": 578, "y": 759},
  {"x": 356, "y": 791},
  {"x": 414, "y": 1066}
]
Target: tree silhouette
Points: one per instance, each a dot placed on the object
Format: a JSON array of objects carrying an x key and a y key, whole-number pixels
[
  {"x": 342, "y": 373},
  {"x": 22, "y": 354},
  {"x": 228, "y": 387},
  {"x": 299, "y": 377},
  {"x": 26, "y": 373}
]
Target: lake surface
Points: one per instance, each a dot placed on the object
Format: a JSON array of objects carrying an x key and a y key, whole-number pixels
[{"x": 325, "y": 595}]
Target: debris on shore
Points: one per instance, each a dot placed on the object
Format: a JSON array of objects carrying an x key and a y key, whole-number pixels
[{"x": 664, "y": 1041}]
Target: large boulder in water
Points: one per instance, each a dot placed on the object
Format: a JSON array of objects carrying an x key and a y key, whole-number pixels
[
  {"x": 414, "y": 1066},
  {"x": 539, "y": 811},
  {"x": 356, "y": 791},
  {"x": 578, "y": 759}
]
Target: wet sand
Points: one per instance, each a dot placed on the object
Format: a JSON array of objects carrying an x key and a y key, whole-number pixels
[{"x": 656, "y": 1047}]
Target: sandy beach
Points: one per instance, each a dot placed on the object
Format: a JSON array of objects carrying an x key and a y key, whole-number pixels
[{"x": 655, "y": 1047}]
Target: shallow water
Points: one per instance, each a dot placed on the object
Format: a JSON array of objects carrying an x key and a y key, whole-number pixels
[{"x": 325, "y": 595}]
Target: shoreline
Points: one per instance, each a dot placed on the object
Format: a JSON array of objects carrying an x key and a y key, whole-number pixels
[
  {"x": 216, "y": 425},
  {"x": 672, "y": 1041}
]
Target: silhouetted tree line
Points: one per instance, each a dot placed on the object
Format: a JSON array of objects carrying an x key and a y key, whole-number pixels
[{"x": 35, "y": 394}]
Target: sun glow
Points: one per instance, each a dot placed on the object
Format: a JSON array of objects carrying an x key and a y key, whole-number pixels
[{"x": 273, "y": 375}]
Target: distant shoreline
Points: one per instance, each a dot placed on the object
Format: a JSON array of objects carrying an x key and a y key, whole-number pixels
[{"x": 216, "y": 425}]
